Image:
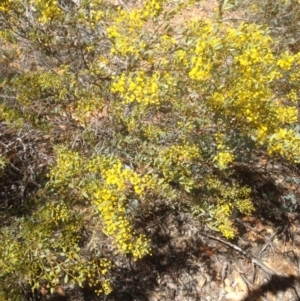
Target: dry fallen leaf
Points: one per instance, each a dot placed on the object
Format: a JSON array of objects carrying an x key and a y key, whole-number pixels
[
  {"x": 60, "y": 291},
  {"x": 43, "y": 291},
  {"x": 239, "y": 282},
  {"x": 227, "y": 282},
  {"x": 235, "y": 296},
  {"x": 201, "y": 281}
]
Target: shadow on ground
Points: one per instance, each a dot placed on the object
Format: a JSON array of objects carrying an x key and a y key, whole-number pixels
[{"x": 276, "y": 284}]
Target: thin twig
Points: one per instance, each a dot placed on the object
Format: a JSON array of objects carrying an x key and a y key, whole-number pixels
[
  {"x": 254, "y": 260},
  {"x": 235, "y": 19}
]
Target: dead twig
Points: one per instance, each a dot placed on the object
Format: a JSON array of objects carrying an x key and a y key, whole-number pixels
[{"x": 254, "y": 260}]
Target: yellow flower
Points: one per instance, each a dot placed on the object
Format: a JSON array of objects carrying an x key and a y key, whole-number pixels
[{"x": 222, "y": 159}]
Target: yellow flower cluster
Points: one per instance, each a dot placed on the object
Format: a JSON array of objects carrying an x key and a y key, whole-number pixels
[
  {"x": 120, "y": 179},
  {"x": 272, "y": 132},
  {"x": 293, "y": 95},
  {"x": 261, "y": 134},
  {"x": 181, "y": 57},
  {"x": 239, "y": 88},
  {"x": 275, "y": 138},
  {"x": 201, "y": 59},
  {"x": 243, "y": 77},
  {"x": 227, "y": 229},
  {"x": 110, "y": 194},
  {"x": 224, "y": 156},
  {"x": 140, "y": 88},
  {"x": 285, "y": 114},
  {"x": 176, "y": 163},
  {"x": 5, "y": 6},
  {"x": 246, "y": 82},
  {"x": 110, "y": 199},
  {"x": 292, "y": 78},
  {"x": 285, "y": 143},
  {"x": 106, "y": 286},
  {"x": 113, "y": 213},
  {"x": 153, "y": 8},
  {"x": 85, "y": 17},
  {"x": 286, "y": 61},
  {"x": 95, "y": 17},
  {"x": 223, "y": 159},
  {"x": 58, "y": 212},
  {"x": 9, "y": 255},
  {"x": 228, "y": 199},
  {"x": 152, "y": 132},
  {"x": 95, "y": 271},
  {"x": 222, "y": 214},
  {"x": 127, "y": 31},
  {"x": 127, "y": 22},
  {"x": 48, "y": 10},
  {"x": 67, "y": 169},
  {"x": 167, "y": 41},
  {"x": 11, "y": 116}
]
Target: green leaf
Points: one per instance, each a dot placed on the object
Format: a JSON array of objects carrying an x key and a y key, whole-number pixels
[{"x": 161, "y": 181}]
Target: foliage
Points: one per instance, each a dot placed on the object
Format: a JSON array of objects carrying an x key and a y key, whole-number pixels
[
  {"x": 139, "y": 107},
  {"x": 224, "y": 200},
  {"x": 45, "y": 250},
  {"x": 104, "y": 181},
  {"x": 3, "y": 163},
  {"x": 282, "y": 18}
]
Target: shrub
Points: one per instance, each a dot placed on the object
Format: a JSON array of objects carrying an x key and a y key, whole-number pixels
[{"x": 140, "y": 107}]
